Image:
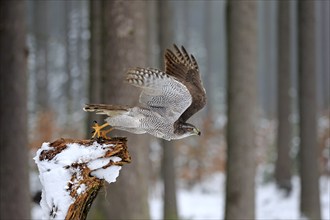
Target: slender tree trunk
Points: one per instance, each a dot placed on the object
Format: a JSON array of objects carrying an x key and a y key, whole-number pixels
[
  {"x": 14, "y": 181},
  {"x": 94, "y": 85},
  {"x": 241, "y": 98},
  {"x": 166, "y": 39},
  {"x": 124, "y": 41},
  {"x": 284, "y": 130},
  {"x": 209, "y": 108},
  {"x": 267, "y": 64},
  {"x": 68, "y": 83},
  {"x": 309, "y": 171},
  {"x": 95, "y": 45},
  {"x": 41, "y": 31},
  {"x": 325, "y": 54},
  {"x": 170, "y": 210}
]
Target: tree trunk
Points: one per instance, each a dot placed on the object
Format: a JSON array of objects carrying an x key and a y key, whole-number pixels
[
  {"x": 170, "y": 210},
  {"x": 82, "y": 178},
  {"x": 284, "y": 130},
  {"x": 124, "y": 28},
  {"x": 325, "y": 54},
  {"x": 241, "y": 98},
  {"x": 14, "y": 181},
  {"x": 95, "y": 45},
  {"x": 41, "y": 34},
  {"x": 68, "y": 82},
  {"x": 309, "y": 172},
  {"x": 94, "y": 85},
  {"x": 267, "y": 59},
  {"x": 166, "y": 40},
  {"x": 209, "y": 108}
]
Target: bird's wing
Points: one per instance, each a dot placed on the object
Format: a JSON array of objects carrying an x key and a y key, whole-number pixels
[
  {"x": 184, "y": 68},
  {"x": 178, "y": 63},
  {"x": 160, "y": 92}
]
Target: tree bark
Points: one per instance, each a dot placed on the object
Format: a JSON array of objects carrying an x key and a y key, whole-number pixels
[
  {"x": 241, "y": 98},
  {"x": 82, "y": 186},
  {"x": 124, "y": 41},
  {"x": 284, "y": 130},
  {"x": 14, "y": 181},
  {"x": 308, "y": 155},
  {"x": 166, "y": 39}
]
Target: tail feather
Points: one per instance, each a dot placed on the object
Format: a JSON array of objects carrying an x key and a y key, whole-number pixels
[{"x": 103, "y": 109}]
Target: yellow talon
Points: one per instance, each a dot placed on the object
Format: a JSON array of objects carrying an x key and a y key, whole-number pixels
[
  {"x": 97, "y": 130},
  {"x": 105, "y": 132}
]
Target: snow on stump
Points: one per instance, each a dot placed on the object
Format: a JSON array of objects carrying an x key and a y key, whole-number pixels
[{"x": 73, "y": 171}]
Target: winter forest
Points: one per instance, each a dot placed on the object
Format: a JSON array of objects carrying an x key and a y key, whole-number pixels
[{"x": 264, "y": 148}]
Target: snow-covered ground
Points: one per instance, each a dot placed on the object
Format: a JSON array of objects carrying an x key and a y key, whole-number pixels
[{"x": 206, "y": 201}]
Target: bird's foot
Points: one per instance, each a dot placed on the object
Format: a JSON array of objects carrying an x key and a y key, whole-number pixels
[{"x": 98, "y": 132}]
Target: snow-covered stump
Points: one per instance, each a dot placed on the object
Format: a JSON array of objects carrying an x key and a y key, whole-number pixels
[{"x": 73, "y": 171}]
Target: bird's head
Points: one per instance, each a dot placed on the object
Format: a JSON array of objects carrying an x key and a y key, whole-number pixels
[{"x": 186, "y": 129}]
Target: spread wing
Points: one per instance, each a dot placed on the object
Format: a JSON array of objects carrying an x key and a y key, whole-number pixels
[
  {"x": 160, "y": 92},
  {"x": 182, "y": 66}
]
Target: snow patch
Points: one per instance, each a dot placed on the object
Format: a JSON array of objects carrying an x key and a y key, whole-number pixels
[
  {"x": 110, "y": 174},
  {"x": 56, "y": 174},
  {"x": 199, "y": 203}
]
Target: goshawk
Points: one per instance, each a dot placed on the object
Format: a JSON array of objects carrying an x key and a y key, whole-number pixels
[{"x": 168, "y": 99}]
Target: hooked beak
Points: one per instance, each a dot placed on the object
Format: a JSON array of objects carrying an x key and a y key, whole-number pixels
[{"x": 197, "y": 132}]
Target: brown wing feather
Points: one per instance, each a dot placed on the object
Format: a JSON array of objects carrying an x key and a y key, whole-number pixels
[
  {"x": 173, "y": 66},
  {"x": 184, "y": 68}
]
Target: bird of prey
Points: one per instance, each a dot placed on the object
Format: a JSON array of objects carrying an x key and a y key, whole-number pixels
[{"x": 168, "y": 99}]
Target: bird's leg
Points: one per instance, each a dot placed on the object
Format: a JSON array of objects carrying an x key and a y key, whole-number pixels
[
  {"x": 98, "y": 132},
  {"x": 105, "y": 132}
]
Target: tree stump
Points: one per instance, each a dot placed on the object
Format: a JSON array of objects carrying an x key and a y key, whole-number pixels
[{"x": 73, "y": 171}]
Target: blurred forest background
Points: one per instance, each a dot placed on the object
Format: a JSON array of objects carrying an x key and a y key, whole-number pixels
[{"x": 265, "y": 67}]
